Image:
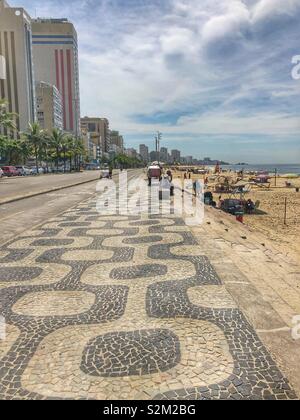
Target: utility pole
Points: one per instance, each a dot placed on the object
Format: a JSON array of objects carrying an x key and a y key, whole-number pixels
[{"x": 158, "y": 139}]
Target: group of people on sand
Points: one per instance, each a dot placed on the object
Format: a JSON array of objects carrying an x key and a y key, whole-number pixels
[{"x": 187, "y": 175}]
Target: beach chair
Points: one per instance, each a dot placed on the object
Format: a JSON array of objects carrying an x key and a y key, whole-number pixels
[{"x": 247, "y": 189}]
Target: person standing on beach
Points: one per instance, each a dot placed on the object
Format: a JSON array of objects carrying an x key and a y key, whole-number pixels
[{"x": 170, "y": 175}]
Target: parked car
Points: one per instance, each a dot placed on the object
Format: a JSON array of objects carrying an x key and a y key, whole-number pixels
[
  {"x": 233, "y": 206},
  {"x": 60, "y": 170},
  {"x": 105, "y": 172},
  {"x": 1, "y": 173},
  {"x": 24, "y": 170},
  {"x": 34, "y": 171},
  {"x": 10, "y": 171},
  {"x": 92, "y": 167}
]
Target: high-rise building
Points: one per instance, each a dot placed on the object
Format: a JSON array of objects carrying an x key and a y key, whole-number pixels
[
  {"x": 90, "y": 148},
  {"x": 144, "y": 152},
  {"x": 55, "y": 57},
  {"x": 175, "y": 156},
  {"x": 100, "y": 133},
  {"x": 116, "y": 142},
  {"x": 132, "y": 153},
  {"x": 154, "y": 156},
  {"x": 17, "y": 85},
  {"x": 105, "y": 135},
  {"x": 48, "y": 106},
  {"x": 164, "y": 154}
]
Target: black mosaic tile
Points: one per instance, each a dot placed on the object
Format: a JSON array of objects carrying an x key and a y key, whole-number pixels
[
  {"x": 14, "y": 274},
  {"x": 135, "y": 353}
]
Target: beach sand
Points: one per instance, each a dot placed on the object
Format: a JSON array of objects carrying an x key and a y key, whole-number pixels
[{"x": 269, "y": 220}]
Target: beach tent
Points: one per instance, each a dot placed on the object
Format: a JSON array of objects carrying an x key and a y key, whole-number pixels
[{"x": 262, "y": 179}]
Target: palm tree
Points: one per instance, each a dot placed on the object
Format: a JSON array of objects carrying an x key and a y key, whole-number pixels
[
  {"x": 44, "y": 149},
  {"x": 57, "y": 139},
  {"x": 35, "y": 137},
  {"x": 79, "y": 151},
  {"x": 70, "y": 145},
  {"x": 67, "y": 150},
  {"x": 17, "y": 150}
]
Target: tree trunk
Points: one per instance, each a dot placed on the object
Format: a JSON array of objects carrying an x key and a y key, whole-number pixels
[
  {"x": 57, "y": 157},
  {"x": 36, "y": 160},
  {"x": 64, "y": 161}
]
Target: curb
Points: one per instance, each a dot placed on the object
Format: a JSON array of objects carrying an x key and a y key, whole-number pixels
[{"x": 30, "y": 195}]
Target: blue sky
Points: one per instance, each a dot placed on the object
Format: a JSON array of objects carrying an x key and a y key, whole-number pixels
[{"x": 213, "y": 75}]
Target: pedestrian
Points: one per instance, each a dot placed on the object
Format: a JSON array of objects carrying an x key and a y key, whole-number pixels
[
  {"x": 220, "y": 202},
  {"x": 170, "y": 175}
]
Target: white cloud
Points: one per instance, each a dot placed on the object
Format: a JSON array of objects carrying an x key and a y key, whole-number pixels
[
  {"x": 235, "y": 20},
  {"x": 266, "y": 9},
  {"x": 176, "y": 57}
]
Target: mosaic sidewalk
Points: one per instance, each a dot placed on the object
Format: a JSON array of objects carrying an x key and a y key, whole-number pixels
[{"x": 124, "y": 308}]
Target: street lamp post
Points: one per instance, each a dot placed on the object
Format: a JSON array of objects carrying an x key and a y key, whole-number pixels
[{"x": 158, "y": 139}]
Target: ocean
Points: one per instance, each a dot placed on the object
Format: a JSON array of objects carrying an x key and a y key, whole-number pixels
[{"x": 281, "y": 168}]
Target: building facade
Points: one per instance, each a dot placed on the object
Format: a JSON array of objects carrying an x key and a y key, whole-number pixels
[
  {"x": 175, "y": 156},
  {"x": 99, "y": 132},
  {"x": 49, "y": 106},
  {"x": 132, "y": 153},
  {"x": 55, "y": 57},
  {"x": 144, "y": 153},
  {"x": 105, "y": 135},
  {"x": 164, "y": 155},
  {"x": 89, "y": 146},
  {"x": 17, "y": 87},
  {"x": 154, "y": 156},
  {"x": 116, "y": 142}
]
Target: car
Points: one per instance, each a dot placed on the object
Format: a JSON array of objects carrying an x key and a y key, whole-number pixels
[
  {"x": 24, "y": 171},
  {"x": 10, "y": 171},
  {"x": 1, "y": 173},
  {"x": 233, "y": 206},
  {"x": 34, "y": 171},
  {"x": 92, "y": 167},
  {"x": 105, "y": 173}
]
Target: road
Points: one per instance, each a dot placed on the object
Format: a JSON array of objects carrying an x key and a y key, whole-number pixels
[
  {"x": 19, "y": 186},
  {"x": 123, "y": 307},
  {"x": 18, "y": 216}
]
